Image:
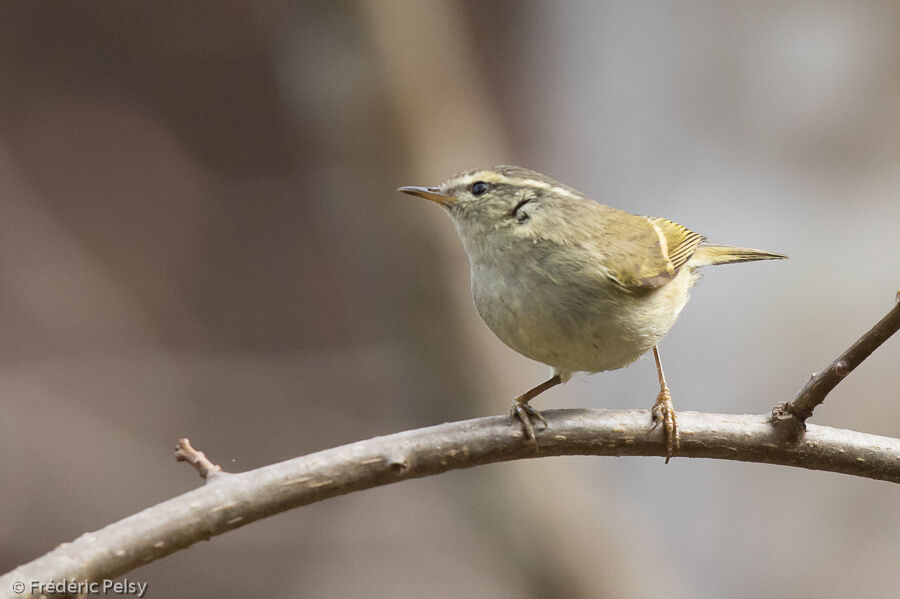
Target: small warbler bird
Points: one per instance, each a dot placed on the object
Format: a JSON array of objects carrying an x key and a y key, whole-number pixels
[{"x": 570, "y": 282}]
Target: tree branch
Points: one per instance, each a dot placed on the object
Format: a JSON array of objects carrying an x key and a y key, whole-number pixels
[
  {"x": 228, "y": 502},
  {"x": 791, "y": 416}
]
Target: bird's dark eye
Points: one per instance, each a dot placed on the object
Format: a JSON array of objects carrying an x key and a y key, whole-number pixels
[{"x": 479, "y": 188}]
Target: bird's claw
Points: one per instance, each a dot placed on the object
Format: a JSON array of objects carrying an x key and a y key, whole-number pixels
[
  {"x": 524, "y": 413},
  {"x": 663, "y": 412}
]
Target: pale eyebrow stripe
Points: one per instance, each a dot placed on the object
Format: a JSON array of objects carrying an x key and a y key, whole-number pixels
[{"x": 492, "y": 177}]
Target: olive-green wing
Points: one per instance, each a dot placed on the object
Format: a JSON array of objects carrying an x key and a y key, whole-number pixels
[
  {"x": 639, "y": 253},
  {"x": 651, "y": 253}
]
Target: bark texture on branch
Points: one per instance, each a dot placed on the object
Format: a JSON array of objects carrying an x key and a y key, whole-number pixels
[
  {"x": 821, "y": 383},
  {"x": 228, "y": 502}
]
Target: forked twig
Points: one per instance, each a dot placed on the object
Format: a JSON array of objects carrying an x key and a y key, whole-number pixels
[{"x": 790, "y": 417}]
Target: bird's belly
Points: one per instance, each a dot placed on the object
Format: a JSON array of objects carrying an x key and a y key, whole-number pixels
[{"x": 578, "y": 328}]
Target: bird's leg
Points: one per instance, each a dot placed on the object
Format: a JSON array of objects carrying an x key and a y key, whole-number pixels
[
  {"x": 524, "y": 413},
  {"x": 664, "y": 412}
]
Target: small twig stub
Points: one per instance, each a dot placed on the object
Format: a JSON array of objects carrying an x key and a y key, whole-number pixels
[{"x": 184, "y": 452}]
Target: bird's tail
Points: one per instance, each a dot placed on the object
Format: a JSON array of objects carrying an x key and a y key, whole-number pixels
[{"x": 707, "y": 255}]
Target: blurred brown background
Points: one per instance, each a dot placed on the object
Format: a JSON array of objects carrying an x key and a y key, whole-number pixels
[{"x": 199, "y": 236}]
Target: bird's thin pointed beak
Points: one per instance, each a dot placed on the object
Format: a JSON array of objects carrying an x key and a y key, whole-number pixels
[{"x": 429, "y": 193}]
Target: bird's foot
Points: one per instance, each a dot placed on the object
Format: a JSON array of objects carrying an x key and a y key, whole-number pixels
[
  {"x": 663, "y": 412},
  {"x": 524, "y": 413}
]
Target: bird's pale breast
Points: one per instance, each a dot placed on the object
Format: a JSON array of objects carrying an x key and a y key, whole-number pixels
[{"x": 572, "y": 318}]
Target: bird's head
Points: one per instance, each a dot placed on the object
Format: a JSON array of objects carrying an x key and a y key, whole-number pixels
[{"x": 485, "y": 199}]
